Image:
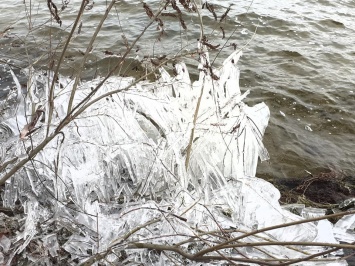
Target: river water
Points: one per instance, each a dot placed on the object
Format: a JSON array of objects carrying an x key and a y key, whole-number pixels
[{"x": 298, "y": 58}]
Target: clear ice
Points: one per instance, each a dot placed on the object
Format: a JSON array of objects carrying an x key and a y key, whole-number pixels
[{"x": 121, "y": 166}]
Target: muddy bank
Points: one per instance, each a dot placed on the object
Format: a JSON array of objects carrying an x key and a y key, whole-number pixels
[{"x": 327, "y": 189}]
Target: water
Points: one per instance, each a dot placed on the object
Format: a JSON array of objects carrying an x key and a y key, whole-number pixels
[{"x": 299, "y": 62}]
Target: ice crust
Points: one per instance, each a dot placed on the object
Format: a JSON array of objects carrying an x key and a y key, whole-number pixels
[{"x": 121, "y": 165}]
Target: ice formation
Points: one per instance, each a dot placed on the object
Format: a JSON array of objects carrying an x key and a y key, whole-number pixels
[{"x": 116, "y": 175}]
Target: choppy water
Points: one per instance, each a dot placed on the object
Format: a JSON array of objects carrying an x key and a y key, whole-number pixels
[{"x": 300, "y": 61}]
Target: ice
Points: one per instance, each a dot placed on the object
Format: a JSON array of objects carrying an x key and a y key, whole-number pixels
[
  {"x": 325, "y": 232},
  {"x": 118, "y": 173},
  {"x": 5, "y": 243},
  {"x": 347, "y": 222},
  {"x": 50, "y": 242},
  {"x": 310, "y": 212},
  {"x": 344, "y": 229},
  {"x": 255, "y": 204}
]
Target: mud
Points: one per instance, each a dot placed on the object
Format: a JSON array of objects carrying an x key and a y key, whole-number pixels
[{"x": 326, "y": 189}]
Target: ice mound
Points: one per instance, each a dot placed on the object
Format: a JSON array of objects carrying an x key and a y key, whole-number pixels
[{"x": 117, "y": 182}]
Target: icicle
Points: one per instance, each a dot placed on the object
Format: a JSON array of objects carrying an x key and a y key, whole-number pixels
[{"x": 120, "y": 168}]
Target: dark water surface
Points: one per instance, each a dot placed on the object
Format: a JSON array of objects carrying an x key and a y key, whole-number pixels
[{"x": 300, "y": 61}]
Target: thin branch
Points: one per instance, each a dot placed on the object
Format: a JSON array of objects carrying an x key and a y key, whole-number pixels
[
  {"x": 179, "y": 251},
  {"x": 189, "y": 147},
  {"x": 56, "y": 72},
  {"x": 69, "y": 117},
  {"x": 88, "y": 50},
  {"x": 222, "y": 245}
]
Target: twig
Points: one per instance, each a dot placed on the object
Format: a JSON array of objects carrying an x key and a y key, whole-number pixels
[
  {"x": 87, "y": 52},
  {"x": 56, "y": 72},
  {"x": 189, "y": 147},
  {"x": 222, "y": 245}
]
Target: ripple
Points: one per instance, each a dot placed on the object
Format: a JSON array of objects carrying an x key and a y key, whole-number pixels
[
  {"x": 331, "y": 23},
  {"x": 302, "y": 53},
  {"x": 285, "y": 53}
]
